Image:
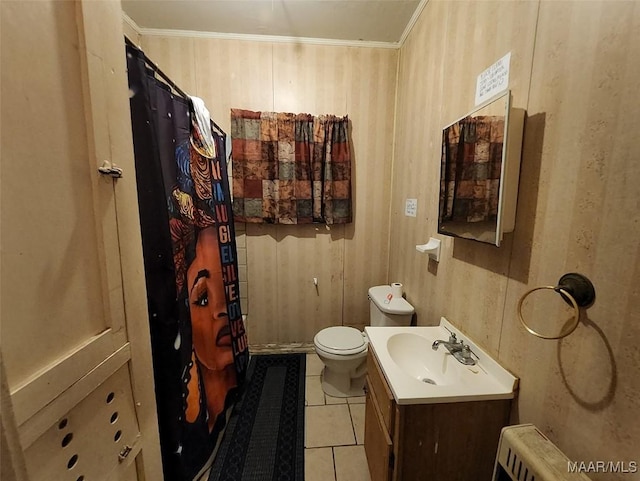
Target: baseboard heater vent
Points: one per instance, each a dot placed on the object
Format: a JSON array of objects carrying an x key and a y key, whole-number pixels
[{"x": 525, "y": 454}]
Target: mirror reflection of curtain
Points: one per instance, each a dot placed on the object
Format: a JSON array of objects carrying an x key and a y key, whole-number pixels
[
  {"x": 472, "y": 163},
  {"x": 290, "y": 168}
]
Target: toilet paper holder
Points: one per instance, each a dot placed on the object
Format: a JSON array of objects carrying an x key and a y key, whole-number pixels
[{"x": 432, "y": 248}]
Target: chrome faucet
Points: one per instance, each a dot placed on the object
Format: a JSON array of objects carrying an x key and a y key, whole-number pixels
[
  {"x": 459, "y": 350},
  {"x": 452, "y": 345}
]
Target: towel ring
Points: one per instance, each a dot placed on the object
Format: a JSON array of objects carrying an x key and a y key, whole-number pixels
[{"x": 575, "y": 289}]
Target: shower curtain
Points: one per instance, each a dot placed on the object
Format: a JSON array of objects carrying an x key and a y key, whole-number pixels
[{"x": 199, "y": 344}]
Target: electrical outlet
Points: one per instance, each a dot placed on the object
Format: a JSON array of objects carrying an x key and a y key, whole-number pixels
[{"x": 411, "y": 207}]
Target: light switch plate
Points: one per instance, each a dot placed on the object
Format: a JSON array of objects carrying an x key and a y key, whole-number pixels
[{"x": 411, "y": 207}]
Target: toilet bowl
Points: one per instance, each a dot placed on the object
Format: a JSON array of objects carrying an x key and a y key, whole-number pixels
[{"x": 343, "y": 350}]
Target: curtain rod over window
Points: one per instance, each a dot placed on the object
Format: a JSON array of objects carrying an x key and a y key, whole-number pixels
[{"x": 165, "y": 77}]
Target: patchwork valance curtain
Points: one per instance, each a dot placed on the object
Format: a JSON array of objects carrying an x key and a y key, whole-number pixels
[
  {"x": 290, "y": 168},
  {"x": 471, "y": 163}
]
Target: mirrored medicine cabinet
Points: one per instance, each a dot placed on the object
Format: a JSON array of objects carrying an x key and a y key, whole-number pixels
[{"x": 479, "y": 172}]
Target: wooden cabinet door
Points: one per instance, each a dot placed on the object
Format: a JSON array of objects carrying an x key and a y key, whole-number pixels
[
  {"x": 382, "y": 393},
  {"x": 75, "y": 336},
  {"x": 377, "y": 443}
]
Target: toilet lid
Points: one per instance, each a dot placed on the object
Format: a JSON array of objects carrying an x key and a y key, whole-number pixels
[{"x": 341, "y": 340}]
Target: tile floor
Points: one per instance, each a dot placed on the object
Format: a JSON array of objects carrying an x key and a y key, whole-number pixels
[{"x": 334, "y": 432}]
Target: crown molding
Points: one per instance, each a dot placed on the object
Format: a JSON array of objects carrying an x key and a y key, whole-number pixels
[
  {"x": 131, "y": 22},
  {"x": 265, "y": 38},
  {"x": 412, "y": 22}
]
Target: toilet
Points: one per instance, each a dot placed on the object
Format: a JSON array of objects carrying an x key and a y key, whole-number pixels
[{"x": 343, "y": 350}]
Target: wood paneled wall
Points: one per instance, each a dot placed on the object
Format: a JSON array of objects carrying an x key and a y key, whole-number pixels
[
  {"x": 284, "y": 306},
  {"x": 575, "y": 69}
]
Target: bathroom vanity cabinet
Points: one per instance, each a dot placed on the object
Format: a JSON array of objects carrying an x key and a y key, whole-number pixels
[{"x": 429, "y": 442}]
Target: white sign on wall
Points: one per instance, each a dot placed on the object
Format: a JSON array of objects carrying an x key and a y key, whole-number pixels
[
  {"x": 493, "y": 80},
  {"x": 411, "y": 207}
]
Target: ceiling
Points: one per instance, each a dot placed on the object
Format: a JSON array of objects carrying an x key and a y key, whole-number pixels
[{"x": 341, "y": 20}]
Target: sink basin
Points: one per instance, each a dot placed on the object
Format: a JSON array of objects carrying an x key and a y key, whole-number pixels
[
  {"x": 417, "y": 374},
  {"x": 414, "y": 355}
]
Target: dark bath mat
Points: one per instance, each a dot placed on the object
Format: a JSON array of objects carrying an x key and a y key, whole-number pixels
[{"x": 264, "y": 440}]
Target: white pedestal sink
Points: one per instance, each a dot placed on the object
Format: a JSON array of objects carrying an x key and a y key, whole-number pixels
[{"x": 417, "y": 374}]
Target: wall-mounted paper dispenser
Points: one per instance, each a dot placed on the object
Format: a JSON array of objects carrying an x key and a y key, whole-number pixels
[{"x": 479, "y": 172}]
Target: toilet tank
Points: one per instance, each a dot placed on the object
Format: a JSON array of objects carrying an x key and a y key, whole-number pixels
[{"x": 383, "y": 312}]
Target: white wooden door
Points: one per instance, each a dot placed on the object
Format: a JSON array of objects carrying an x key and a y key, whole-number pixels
[{"x": 74, "y": 328}]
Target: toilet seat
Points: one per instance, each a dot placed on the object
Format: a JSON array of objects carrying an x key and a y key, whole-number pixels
[{"x": 341, "y": 340}]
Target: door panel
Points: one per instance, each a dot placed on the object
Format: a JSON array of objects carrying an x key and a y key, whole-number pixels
[
  {"x": 87, "y": 440},
  {"x": 73, "y": 313},
  {"x": 35, "y": 392},
  {"x": 50, "y": 266},
  {"x": 37, "y": 424}
]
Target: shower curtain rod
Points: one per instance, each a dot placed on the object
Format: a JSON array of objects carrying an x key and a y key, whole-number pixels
[{"x": 165, "y": 77}]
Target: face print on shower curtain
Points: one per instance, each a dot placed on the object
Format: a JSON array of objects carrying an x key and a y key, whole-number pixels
[
  {"x": 196, "y": 227},
  {"x": 206, "y": 279},
  {"x": 212, "y": 363}
]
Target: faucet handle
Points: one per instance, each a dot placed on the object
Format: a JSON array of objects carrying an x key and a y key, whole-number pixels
[
  {"x": 467, "y": 352},
  {"x": 452, "y": 336}
]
